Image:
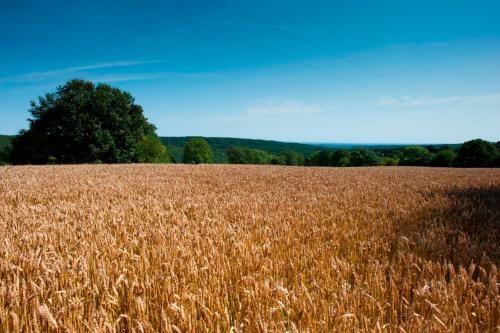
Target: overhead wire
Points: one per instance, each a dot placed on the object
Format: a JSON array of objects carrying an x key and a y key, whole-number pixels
[
  {"x": 325, "y": 50},
  {"x": 256, "y": 46},
  {"x": 317, "y": 68}
]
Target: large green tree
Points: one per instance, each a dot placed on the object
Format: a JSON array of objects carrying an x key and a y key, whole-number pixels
[
  {"x": 197, "y": 150},
  {"x": 476, "y": 153},
  {"x": 83, "y": 123}
]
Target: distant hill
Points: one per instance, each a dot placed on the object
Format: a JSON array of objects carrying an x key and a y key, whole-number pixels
[
  {"x": 381, "y": 146},
  {"x": 219, "y": 146}
]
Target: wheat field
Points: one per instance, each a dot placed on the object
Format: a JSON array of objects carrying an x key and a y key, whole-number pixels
[{"x": 214, "y": 248}]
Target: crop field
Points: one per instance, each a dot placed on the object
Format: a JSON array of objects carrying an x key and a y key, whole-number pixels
[{"x": 221, "y": 248}]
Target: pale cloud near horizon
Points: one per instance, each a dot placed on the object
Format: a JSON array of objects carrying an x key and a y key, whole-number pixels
[
  {"x": 493, "y": 98},
  {"x": 287, "y": 108}
]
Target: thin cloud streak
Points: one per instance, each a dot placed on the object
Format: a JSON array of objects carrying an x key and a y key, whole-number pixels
[
  {"x": 440, "y": 100},
  {"x": 287, "y": 108},
  {"x": 36, "y": 76}
]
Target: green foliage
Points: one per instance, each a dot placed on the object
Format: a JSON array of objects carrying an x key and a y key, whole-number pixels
[
  {"x": 221, "y": 144},
  {"x": 151, "y": 150},
  {"x": 320, "y": 158},
  {"x": 242, "y": 155},
  {"x": 197, "y": 150},
  {"x": 82, "y": 123},
  {"x": 278, "y": 160},
  {"x": 476, "y": 153},
  {"x": 5, "y": 149},
  {"x": 340, "y": 158},
  {"x": 444, "y": 158},
  {"x": 390, "y": 161},
  {"x": 396, "y": 154},
  {"x": 6, "y": 141},
  {"x": 4, "y": 157},
  {"x": 415, "y": 155},
  {"x": 497, "y": 159},
  {"x": 365, "y": 157},
  {"x": 292, "y": 157}
]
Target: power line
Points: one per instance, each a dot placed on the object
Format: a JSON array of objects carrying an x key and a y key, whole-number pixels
[
  {"x": 324, "y": 50},
  {"x": 257, "y": 46},
  {"x": 270, "y": 51},
  {"x": 315, "y": 45}
]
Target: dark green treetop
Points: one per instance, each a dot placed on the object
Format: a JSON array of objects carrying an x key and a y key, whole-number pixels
[
  {"x": 476, "y": 153},
  {"x": 365, "y": 157}
]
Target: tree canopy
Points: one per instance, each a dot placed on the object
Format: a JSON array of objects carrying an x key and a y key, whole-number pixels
[
  {"x": 444, "y": 158},
  {"x": 476, "y": 153},
  {"x": 415, "y": 155},
  {"x": 197, "y": 150},
  {"x": 83, "y": 123},
  {"x": 242, "y": 155}
]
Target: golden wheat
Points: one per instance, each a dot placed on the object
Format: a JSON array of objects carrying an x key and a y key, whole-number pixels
[{"x": 176, "y": 248}]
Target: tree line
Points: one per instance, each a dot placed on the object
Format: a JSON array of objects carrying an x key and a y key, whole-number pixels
[
  {"x": 86, "y": 123},
  {"x": 473, "y": 153}
]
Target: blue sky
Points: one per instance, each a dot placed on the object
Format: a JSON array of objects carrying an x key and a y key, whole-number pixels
[{"x": 223, "y": 74}]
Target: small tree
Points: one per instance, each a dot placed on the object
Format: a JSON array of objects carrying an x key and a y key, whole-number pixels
[
  {"x": 197, "y": 150},
  {"x": 444, "y": 158},
  {"x": 151, "y": 150},
  {"x": 476, "y": 153}
]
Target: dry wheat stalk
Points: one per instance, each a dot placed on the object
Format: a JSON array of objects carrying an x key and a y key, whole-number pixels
[{"x": 178, "y": 248}]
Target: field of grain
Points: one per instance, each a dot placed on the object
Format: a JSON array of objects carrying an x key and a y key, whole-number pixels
[{"x": 212, "y": 248}]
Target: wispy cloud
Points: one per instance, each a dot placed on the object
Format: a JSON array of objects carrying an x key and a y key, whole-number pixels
[
  {"x": 287, "y": 108},
  {"x": 37, "y": 76},
  {"x": 126, "y": 77},
  {"x": 440, "y": 100}
]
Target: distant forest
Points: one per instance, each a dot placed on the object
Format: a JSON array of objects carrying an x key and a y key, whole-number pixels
[{"x": 250, "y": 151}]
